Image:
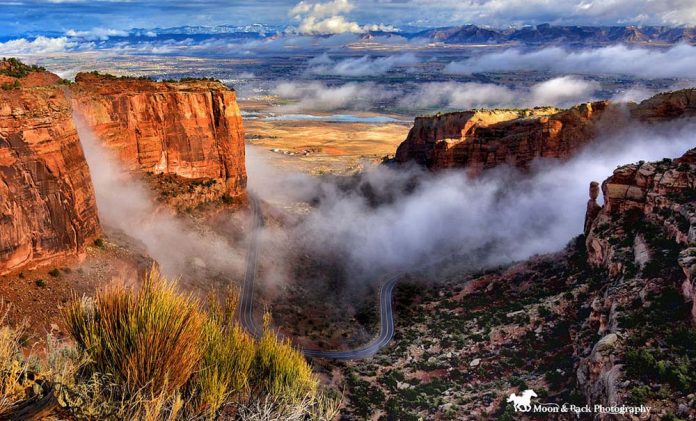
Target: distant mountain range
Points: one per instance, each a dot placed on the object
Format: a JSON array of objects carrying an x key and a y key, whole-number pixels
[
  {"x": 545, "y": 34},
  {"x": 472, "y": 34},
  {"x": 550, "y": 34},
  {"x": 255, "y": 28}
]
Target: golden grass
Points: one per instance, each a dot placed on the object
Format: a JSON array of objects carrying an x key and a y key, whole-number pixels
[
  {"x": 148, "y": 340},
  {"x": 155, "y": 354},
  {"x": 281, "y": 371},
  {"x": 13, "y": 365}
]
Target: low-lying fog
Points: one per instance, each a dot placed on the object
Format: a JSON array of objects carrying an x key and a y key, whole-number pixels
[
  {"x": 128, "y": 205},
  {"x": 395, "y": 219},
  {"x": 388, "y": 219}
]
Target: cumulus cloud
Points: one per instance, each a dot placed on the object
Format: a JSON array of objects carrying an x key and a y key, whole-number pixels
[
  {"x": 412, "y": 217},
  {"x": 362, "y": 66},
  {"x": 38, "y": 45},
  {"x": 648, "y": 63},
  {"x": 327, "y": 18}
]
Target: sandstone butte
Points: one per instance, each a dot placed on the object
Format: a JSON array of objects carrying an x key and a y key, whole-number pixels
[
  {"x": 48, "y": 212},
  {"x": 482, "y": 139}
]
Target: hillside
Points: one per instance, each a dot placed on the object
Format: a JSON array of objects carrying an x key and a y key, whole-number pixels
[{"x": 609, "y": 320}]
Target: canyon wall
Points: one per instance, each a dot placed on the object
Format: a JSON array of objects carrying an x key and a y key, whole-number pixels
[
  {"x": 191, "y": 129},
  {"x": 651, "y": 199},
  {"x": 467, "y": 140},
  {"x": 642, "y": 241},
  {"x": 188, "y": 132},
  {"x": 47, "y": 204}
]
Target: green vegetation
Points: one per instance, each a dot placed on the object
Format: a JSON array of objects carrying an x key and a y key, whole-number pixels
[
  {"x": 154, "y": 353},
  {"x": 54, "y": 272},
  {"x": 40, "y": 283},
  {"x": 99, "y": 243},
  {"x": 10, "y": 86},
  {"x": 114, "y": 77},
  {"x": 14, "y": 68}
]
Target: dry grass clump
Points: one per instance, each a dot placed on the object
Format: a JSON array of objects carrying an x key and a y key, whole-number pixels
[
  {"x": 148, "y": 340},
  {"x": 13, "y": 366},
  {"x": 280, "y": 369},
  {"x": 155, "y": 354}
]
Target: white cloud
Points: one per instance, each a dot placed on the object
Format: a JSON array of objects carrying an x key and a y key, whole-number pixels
[
  {"x": 500, "y": 217},
  {"x": 39, "y": 45},
  {"x": 327, "y": 18},
  {"x": 316, "y": 96},
  {"x": 649, "y": 63},
  {"x": 362, "y": 66},
  {"x": 561, "y": 91},
  {"x": 96, "y": 33},
  {"x": 575, "y": 12}
]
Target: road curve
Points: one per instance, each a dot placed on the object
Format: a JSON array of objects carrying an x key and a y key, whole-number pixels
[{"x": 246, "y": 305}]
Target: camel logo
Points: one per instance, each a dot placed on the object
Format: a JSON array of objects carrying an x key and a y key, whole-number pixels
[{"x": 522, "y": 403}]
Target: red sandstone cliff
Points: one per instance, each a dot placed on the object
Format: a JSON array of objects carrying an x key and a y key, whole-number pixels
[
  {"x": 47, "y": 204},
  {"x": 190, "y": 129},
  {"x": 466, "y": 139}
]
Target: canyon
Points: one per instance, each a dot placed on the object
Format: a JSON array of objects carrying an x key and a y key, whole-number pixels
[
  {"x": 482, "y": 139},
  {"x": 606, "y": 320},
  {"x": 187, "y": 133}
]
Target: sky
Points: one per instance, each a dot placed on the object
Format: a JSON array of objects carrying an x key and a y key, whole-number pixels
[{"x": 18, "y": 17}]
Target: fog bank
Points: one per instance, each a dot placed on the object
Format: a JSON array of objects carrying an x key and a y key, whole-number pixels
[
  {"x": 126, "y": 203},
  {"x": 647, "y": 63},
  {"x": 497, "y": 218}
]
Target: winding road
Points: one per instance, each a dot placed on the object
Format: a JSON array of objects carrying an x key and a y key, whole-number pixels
[{"x": 246, "y": 305}]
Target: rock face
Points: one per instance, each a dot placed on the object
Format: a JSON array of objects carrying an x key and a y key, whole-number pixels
[
  {"x": 660, "y": 196},
  {"x": 47, "y": 203},
  {"x": 190, "y": 129},
  {"x": 592, "y": 207},
  {"x": 190, "y": 132},
  {"x": 484, "y": 139},
  {"x": 643, "y": 240}
]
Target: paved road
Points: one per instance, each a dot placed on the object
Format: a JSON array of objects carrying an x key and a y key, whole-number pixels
[{"x": 246, "y": 305}]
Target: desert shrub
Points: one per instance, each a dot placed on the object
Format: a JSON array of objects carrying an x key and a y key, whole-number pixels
[
  {"x": 148, "y": 340},
  {"x": 13, "y": 365},
  {"x": 280, "y": 370},
  {"x": 9, "y": 86},
  {"x": 15, "y": 68},
  {"x": 154, "y": 353},
  {"x": 228, "y": 352}
]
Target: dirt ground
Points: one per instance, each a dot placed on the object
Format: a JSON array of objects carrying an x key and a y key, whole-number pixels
[
  {"x": 34, "y": 299},
  {"x": 319, "y": 147}
]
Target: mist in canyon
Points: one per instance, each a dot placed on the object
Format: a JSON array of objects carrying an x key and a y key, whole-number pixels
[
  {"x": 384, "y": 219},
  {"x": 126, "y": 204},
  {"x": 399, "y": 219}
]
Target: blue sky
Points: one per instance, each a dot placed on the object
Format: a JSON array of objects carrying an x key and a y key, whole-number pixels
[{"x": 26, "y": 16}]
